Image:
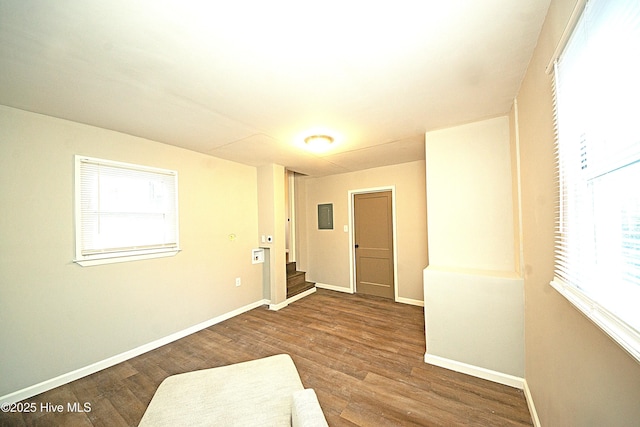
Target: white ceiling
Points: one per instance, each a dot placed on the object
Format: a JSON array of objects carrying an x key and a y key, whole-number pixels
[{"x": 247, "y": 80}]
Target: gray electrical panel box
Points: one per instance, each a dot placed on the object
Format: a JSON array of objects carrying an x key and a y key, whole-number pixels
[{"x": 325, "y": 216}]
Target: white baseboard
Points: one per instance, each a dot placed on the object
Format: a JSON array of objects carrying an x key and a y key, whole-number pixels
[
  {"x": 487, "y": 374},
  {"x": 410, "y": 301},
  {"x": 476, "y": 371},
  {"x": 532, "y": 407},
  {"x": 301, "y": 295},
  {"x": 350, "y": 291},
  {"x": 114, "y": 360},
  {"x": 276, "y": 307},
  {"x": 334, "y": 288}
]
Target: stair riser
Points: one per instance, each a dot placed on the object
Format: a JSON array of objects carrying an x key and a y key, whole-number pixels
[
  {"x": 291, "y": 268},
  {"x": 299, "y": 289},
  {"x": 296, "y": 280}
]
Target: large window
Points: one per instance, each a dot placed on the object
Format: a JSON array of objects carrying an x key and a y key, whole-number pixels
[
  {"x": 124, "y": 212},
  {"x": 597, "y": 96}
]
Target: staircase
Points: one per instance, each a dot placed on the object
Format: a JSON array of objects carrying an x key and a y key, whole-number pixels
[{"x": 296, "y": 281}]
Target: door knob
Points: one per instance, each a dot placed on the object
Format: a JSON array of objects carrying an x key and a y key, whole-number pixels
[{"x": 357, "y": 246}]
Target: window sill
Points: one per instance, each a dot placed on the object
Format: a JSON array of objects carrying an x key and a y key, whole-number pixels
[
  {"x": 124, "y": 257},
  {"x": 625, "y": 336}
]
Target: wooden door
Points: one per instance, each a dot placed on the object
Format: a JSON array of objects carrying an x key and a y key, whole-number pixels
[{"x": 373, "y": 237}]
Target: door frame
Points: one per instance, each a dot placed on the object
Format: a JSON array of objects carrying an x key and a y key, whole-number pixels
[{"x": 352, "y": 250}]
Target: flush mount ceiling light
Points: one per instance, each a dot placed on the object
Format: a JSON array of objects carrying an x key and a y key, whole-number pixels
[{"x": 318, "y": 140}]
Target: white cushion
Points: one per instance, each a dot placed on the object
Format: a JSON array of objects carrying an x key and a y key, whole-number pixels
[
  {"x": 306, "y": 410},
  {"x": 255, "y": 393}
]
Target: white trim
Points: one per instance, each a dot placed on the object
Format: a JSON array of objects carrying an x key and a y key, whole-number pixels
[
  {"x": 476, "y": 371},
  {"x": 123, "y": 257},
  {"x": 119, "y": 358},
  {"x": 410, "y": 301},
  {"x": 516, "y": 131},
  {"x": 352, "y": 258},
  {"x": 291, "y": 180},
  {"x": 301, "y": 295},
  {"x": 334, "y": 288},
  {"x": 130, "y": 254},
  {"x": 276, "y": 307},
  {"x": 532, "y": 407},
  {"x": 400, "y": 300},
  {"x": 566, "y": 34},
  {"x": 625, "y": 336}
]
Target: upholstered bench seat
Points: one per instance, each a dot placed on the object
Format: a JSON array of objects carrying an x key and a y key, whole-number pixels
[{"x": 263, "y": 392}]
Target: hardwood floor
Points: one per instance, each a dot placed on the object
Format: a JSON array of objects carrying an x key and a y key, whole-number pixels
[{"x": 362, "y": 355}]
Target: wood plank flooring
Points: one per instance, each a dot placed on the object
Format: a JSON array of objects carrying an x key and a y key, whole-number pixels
[{"x": 362, "y": 355}]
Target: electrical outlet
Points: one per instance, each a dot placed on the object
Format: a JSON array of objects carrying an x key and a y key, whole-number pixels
[{"x": 238, "y": 281}]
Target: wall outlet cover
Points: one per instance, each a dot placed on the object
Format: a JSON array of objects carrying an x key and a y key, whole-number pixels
[{"x": 257, "y": 256}]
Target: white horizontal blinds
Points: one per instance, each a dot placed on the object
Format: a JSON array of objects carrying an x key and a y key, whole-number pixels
[
  {"x": 126, "y": 208},
  {"x": 597, "y": 88}
]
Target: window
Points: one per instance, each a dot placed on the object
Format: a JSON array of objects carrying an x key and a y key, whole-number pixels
[
  {"x": 124, "y": 212},
  {"x": 597, "y": 87}
]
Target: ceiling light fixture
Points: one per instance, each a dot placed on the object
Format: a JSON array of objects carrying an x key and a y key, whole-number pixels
[{"x": 318, "y": 140}]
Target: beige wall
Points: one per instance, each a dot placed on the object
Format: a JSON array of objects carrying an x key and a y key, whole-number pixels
[
  {"x": 473, "y": 293},
  {"x": 272, "y": 214},
  {"x": 58, "y": 316},
  {"x": 469, "y": 191},
  {"x": 324, "y": 254},
  {"x": 576, "y": 374},
  {"x": 475, "y": 321}
]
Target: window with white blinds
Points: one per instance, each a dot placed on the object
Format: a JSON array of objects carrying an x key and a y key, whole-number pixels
[
  {"x": 597, "y": 112},
  {"x": 124, "y": 211}
]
